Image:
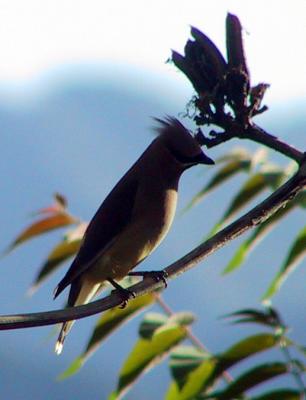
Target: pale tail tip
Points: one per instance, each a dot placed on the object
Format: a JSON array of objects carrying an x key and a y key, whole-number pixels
[
  {"x": 31, "y": 291},
  {"x": 58, "y": 347}
]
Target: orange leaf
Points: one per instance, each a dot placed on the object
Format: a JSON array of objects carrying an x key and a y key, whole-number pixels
[{"x": 44, "y": 225}]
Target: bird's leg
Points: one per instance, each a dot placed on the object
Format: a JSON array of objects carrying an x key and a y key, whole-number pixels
[
  {"x": 125, "y": 294},
  {"x": 157, "y": 275}
]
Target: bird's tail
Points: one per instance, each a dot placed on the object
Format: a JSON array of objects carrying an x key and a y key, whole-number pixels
[{"x": 86, "y": 293}]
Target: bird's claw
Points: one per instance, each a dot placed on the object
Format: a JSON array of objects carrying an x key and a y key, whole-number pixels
[
  {"x": 157, "y": 275},
  {"x": 125, "y": 295}
]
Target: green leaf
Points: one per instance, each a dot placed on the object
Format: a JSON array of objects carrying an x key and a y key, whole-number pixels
[
  {"x": 270, "y": 176},
  {"x": 172, "y": 392},
  {"x": 55, "y": 221},
  {"x": 183, "y": 360},
  {"x": 182, "y": 318},
  {"x": 246, "y": 348},
  {"x": 237, "y": 153},
  {"x": 107, "y": 324},
  {"x": 251, "y": 378},
  {"x": 73, "y": 368},
  {"x": 147, "y": 353},
  {"x": 295, "y": 255},
  {"x": 280, "y": 394},
  {"x": 224, "y": 173},
  {"x": 269, "y": 317},
  {"x": 274, "y": 176},
  {"x": 195, "y": 371},
  {"x": 60, "y": 253},
  {"x": 301, "y": 348},
  {"x": 258, "y": 234},
  {"x": 238, "y": 160},
  {"x": 253, "y": 187},
  {"x": 150, "y": 323},
  {"x": 197, "y": 379},
  {"x": 259, "y": 157}
]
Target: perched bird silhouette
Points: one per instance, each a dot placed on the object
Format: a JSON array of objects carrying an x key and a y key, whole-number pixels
[{"x": 133, "y": 219}]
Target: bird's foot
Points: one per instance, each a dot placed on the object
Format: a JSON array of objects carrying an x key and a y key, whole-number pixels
[
  {"x": 125, "y": 294},
  {"x": 157, "y": 275}
]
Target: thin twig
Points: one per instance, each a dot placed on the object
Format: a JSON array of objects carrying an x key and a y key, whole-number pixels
[
  {"x": 254, "y": 217},
  {"x": 256, "y": 134},
  {"x": 195, "y": 341},
  {"x": 259, "y": 135}
]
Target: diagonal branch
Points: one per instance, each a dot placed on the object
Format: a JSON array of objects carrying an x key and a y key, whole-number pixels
[
  {"x": 255, "y": 133},
  {"x": 254, "y": 217},
  {"x": 259, "y": 135}
]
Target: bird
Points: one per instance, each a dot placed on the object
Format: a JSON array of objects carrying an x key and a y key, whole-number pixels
[{"x": 133, "y": 219}]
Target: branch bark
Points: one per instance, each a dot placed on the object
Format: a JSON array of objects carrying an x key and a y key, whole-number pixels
[
  {"x": 256, "y": 134},
  {"x": 257, "y": 215}
]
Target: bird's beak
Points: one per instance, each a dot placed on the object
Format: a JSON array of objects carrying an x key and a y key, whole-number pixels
[{"x": 203, "y": 159}]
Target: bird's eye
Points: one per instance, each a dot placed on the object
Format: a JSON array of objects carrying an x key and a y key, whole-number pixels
[{"x": 200, "y": 158}]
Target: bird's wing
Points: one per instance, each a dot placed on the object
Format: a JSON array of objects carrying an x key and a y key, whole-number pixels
[{"x": 111, "y": 218}]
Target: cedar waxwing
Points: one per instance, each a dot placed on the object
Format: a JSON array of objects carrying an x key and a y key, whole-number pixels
[{"x": 133, "y": 219}]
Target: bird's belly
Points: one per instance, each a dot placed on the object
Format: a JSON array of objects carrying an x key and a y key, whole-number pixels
[
  {"x": 127, "y": 251},
  {"x": 131, "y": 247}
]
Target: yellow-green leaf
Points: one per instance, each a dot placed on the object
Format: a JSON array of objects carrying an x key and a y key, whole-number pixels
[
  {"x": 236, "y": 161},
  {"x": 147, "y": 353},
  {"x": 246, "y": 348},
  {"x": 224, "y": 173},
  {"x": 62, "y": 252},
  {"x": 150, "y": 323},
  {"x": 295, "y": 255},
  {"x": 258, "y": 234},
  {"x": 196, "y": 380},
  {"x": 182, "y": 318},
  {"x": 107, "y": 324},
  {"x": 172, "y": 392},
  {"x": 252, "y": 187},
  {"x": 237, "y": 153},
  {"x": 183, "y": 360},
  {"x": 200, "y": 371}
]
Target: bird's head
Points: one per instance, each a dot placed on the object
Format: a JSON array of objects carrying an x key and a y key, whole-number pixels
[{"x": 181, "y": 144}]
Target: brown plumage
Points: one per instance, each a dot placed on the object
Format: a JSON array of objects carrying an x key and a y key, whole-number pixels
[{"x": 134, "y": 217}]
